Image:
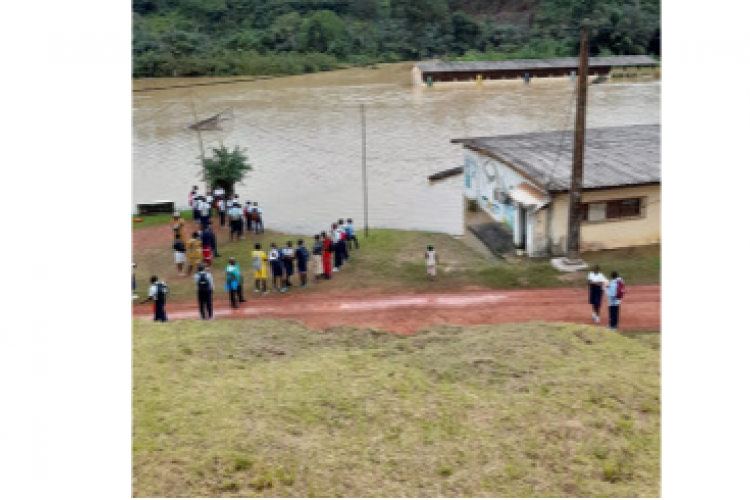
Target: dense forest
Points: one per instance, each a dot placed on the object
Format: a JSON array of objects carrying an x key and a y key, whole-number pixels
[{"x": 278, "y": 37}]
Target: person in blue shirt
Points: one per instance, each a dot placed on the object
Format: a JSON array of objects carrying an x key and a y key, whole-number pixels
[
  {"x": 302, "y": 256},
  {"x": 287, "y": 258},
  {"x": 351, "y": 236},
  {"x": 277, "y": 272},
  {"x": 614, "y": 302}
]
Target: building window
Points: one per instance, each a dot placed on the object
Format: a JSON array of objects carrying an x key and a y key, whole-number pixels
[{"x": 613, "y": 209}]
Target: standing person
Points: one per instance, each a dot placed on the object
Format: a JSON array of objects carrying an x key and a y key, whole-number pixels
[
  {"x": 338, "y": 257},
  {"x": 135, "y": 295},
  {"x": 615, "y": 293},
  {"x": 195, "y": 204},
  {"x": 431, "y": 259},
  {"x": 246, "y": 212},
  {"x": 191, "y": 199},
  {"x": 351, "y": 234},
  {"x": 178, "y": 227},
  {"x": 179, "y": 256},
  {"x": 274, "y": 257},
  {"x": 302, "y": 256},
  {"x": 259, "y": 219},
  {"x": 234, "y": 283},
  {"x": 219, "y": 192},
  {"x": 204, "y": 283},
  {"x": 259, "y": 259},
  {"x": 235, "y": 222},
  {"x": 205, "y": 209},
  {"x": 287, "y": 258},
  {"x": 210, "y": 200},
  {"x": 317, "y": 251},
  {"x": 221, "y": 206},
  {"x": 597, "y": 282},
  {"x": 208, "y": 238},
  {"x": 157, "y": 293},
  {"x": 327, "y": 246},
  {"x": 344, "y": 240},
  {"x": 194, "y": 252}
]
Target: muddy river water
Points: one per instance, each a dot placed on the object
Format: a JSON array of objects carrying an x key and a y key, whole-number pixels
[{"x": 303, "y": 135}]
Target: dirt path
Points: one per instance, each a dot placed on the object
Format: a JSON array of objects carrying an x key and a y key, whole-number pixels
[{"x": 408, "y": 313}]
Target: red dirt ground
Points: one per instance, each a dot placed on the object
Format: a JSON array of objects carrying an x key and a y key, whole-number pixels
[{"x": 408, "y": 313}]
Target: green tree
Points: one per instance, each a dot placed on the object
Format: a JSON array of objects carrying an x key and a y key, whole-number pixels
[
  {"x": 321, "y": 30},
  {"x": 226, "y": 168}
]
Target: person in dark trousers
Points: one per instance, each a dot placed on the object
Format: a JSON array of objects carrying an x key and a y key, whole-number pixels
[
  {"x": 345, "y": 239},
  {"x": 235, "y": 222},
  {"x": 222, "y": 207},
  {"x": 597, "y": 282},
  {"x": 277, "y": 273},
  {"x": 615, "y": 290},
  {"x": 208, "y": 238},
  {"x": 258, "y": 218},
  {"x": 338, "y": 257},
  {"x": 135, "y": 296},
  {"x": 287, "y": 258},
  {"x": 234, "y": 283},
  {"x": 204, "y": 283},
  {"x": 246, "y": 212},
  {"x": 157, "y": 294},
  {"x": 302, "y": 256}
]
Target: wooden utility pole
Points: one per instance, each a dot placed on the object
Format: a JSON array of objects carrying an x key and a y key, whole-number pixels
[
  {"x": 364, "y": 168},
  {"x": 576, "y": 184}
]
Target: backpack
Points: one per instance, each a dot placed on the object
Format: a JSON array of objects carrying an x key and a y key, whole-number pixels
[
  {"x": 620, "y": 290},
  {"x": 257, "y": 263},
  {"x": 254, "y": 214},
  {"x": 161, "y": 292},
  {"x": 203, "y": 284}
]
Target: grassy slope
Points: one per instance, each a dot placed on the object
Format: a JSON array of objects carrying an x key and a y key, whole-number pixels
[
  {"x": 392, "y": 260},
  {"x": 271, "y": 409}
]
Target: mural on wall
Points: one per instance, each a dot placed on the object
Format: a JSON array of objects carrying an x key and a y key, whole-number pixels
[
  {"x": 470, "y": 172},
  {"x": 494, "y": 183}
]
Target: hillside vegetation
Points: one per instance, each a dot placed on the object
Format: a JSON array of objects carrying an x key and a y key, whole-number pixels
[
  {"x": 272, "y": 409},
  {"x": 281, "y": 37}
]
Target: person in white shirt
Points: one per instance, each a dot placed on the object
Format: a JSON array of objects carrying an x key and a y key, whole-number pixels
[
  {"x": 431, "y": 259},
  {"x": 235, "y": 222},
  {"x": 219, "y": 192},
  {"x": 204, "y": 284},
  {"x": 205, "y": 210},
  {"x": 194, "y": 201},
  {"x": 597, "y": 282},
  {"x": 338, "y": 255},
  {"x": 222, "y": 206},
  {"x": 157, "y": 293}
]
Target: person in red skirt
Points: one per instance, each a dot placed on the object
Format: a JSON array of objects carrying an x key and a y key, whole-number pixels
[{"x": 327, "y": 247}]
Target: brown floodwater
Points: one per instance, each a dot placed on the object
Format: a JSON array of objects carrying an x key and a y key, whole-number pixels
[{"x": 303, "y": 136}]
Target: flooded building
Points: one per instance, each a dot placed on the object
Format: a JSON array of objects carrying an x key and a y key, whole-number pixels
[
  {"x": 461, "y": 71},
  {"x": 522, "y": 182}
]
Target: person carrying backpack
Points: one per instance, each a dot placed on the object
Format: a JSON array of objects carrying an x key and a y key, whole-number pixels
[
  {"x": 204, "y": 284},
  {"x": 301, "y": 255},
  {"x": 157, "y": 294},
  {"x": 615, "y": 294}
]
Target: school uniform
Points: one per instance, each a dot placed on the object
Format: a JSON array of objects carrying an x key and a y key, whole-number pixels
[
  {"x": 208, "y": 239},
  {"x": 235, "y": 220},
  {"x": 431, "y": 261},
  {"x": 274, "y": 257},
  {"x": 196, "y": 207},
  {"x": 234, "y": 284},
  {"x": 205, "y": 210},
  {"x": 160, "y": 301},
  {"x": 204, "y": 283},
  {"x": 258, "y": 220},
  {"x": 596, "y": 289},
  {"x": 614, "y": 303},
  {"x": 179, "y": 252},
  {"x": 246, "y": 213},
  {"x": 222, "y": 206},
  {"x": 288, "y": 261},
  {"x": 338, "y": 257}
]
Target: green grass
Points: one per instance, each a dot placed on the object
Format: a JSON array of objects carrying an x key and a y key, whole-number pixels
[
  {"x": 157, "y": 219},
  {"x": 273, "y": 409},
  {"x": 393, "y": 261}
]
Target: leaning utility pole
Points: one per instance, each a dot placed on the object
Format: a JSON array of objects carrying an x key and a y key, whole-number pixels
[
  {"x": 200, "y": 143},
  {"x": 576, "y": 184}
]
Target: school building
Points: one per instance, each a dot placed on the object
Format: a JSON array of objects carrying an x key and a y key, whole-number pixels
[{"x": 522, "y": 182}]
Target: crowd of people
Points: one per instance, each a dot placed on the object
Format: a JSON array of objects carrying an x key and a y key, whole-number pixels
[{"x": 273, "y": 269}]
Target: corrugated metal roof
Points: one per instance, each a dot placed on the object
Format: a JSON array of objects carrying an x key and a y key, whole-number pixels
[
  {"x": 614, "y": 156},
  {"x": 521, "y": 64}
]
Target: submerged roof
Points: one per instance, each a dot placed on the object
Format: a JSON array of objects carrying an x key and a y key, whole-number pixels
[
  {"x": 614, "y": 156},
  {"x": 520, "y": 64}
]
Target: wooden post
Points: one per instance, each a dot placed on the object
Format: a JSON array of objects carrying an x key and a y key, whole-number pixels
[
  {"x": 364, "y": 169},
  {"x": 576, "y": 183}
]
